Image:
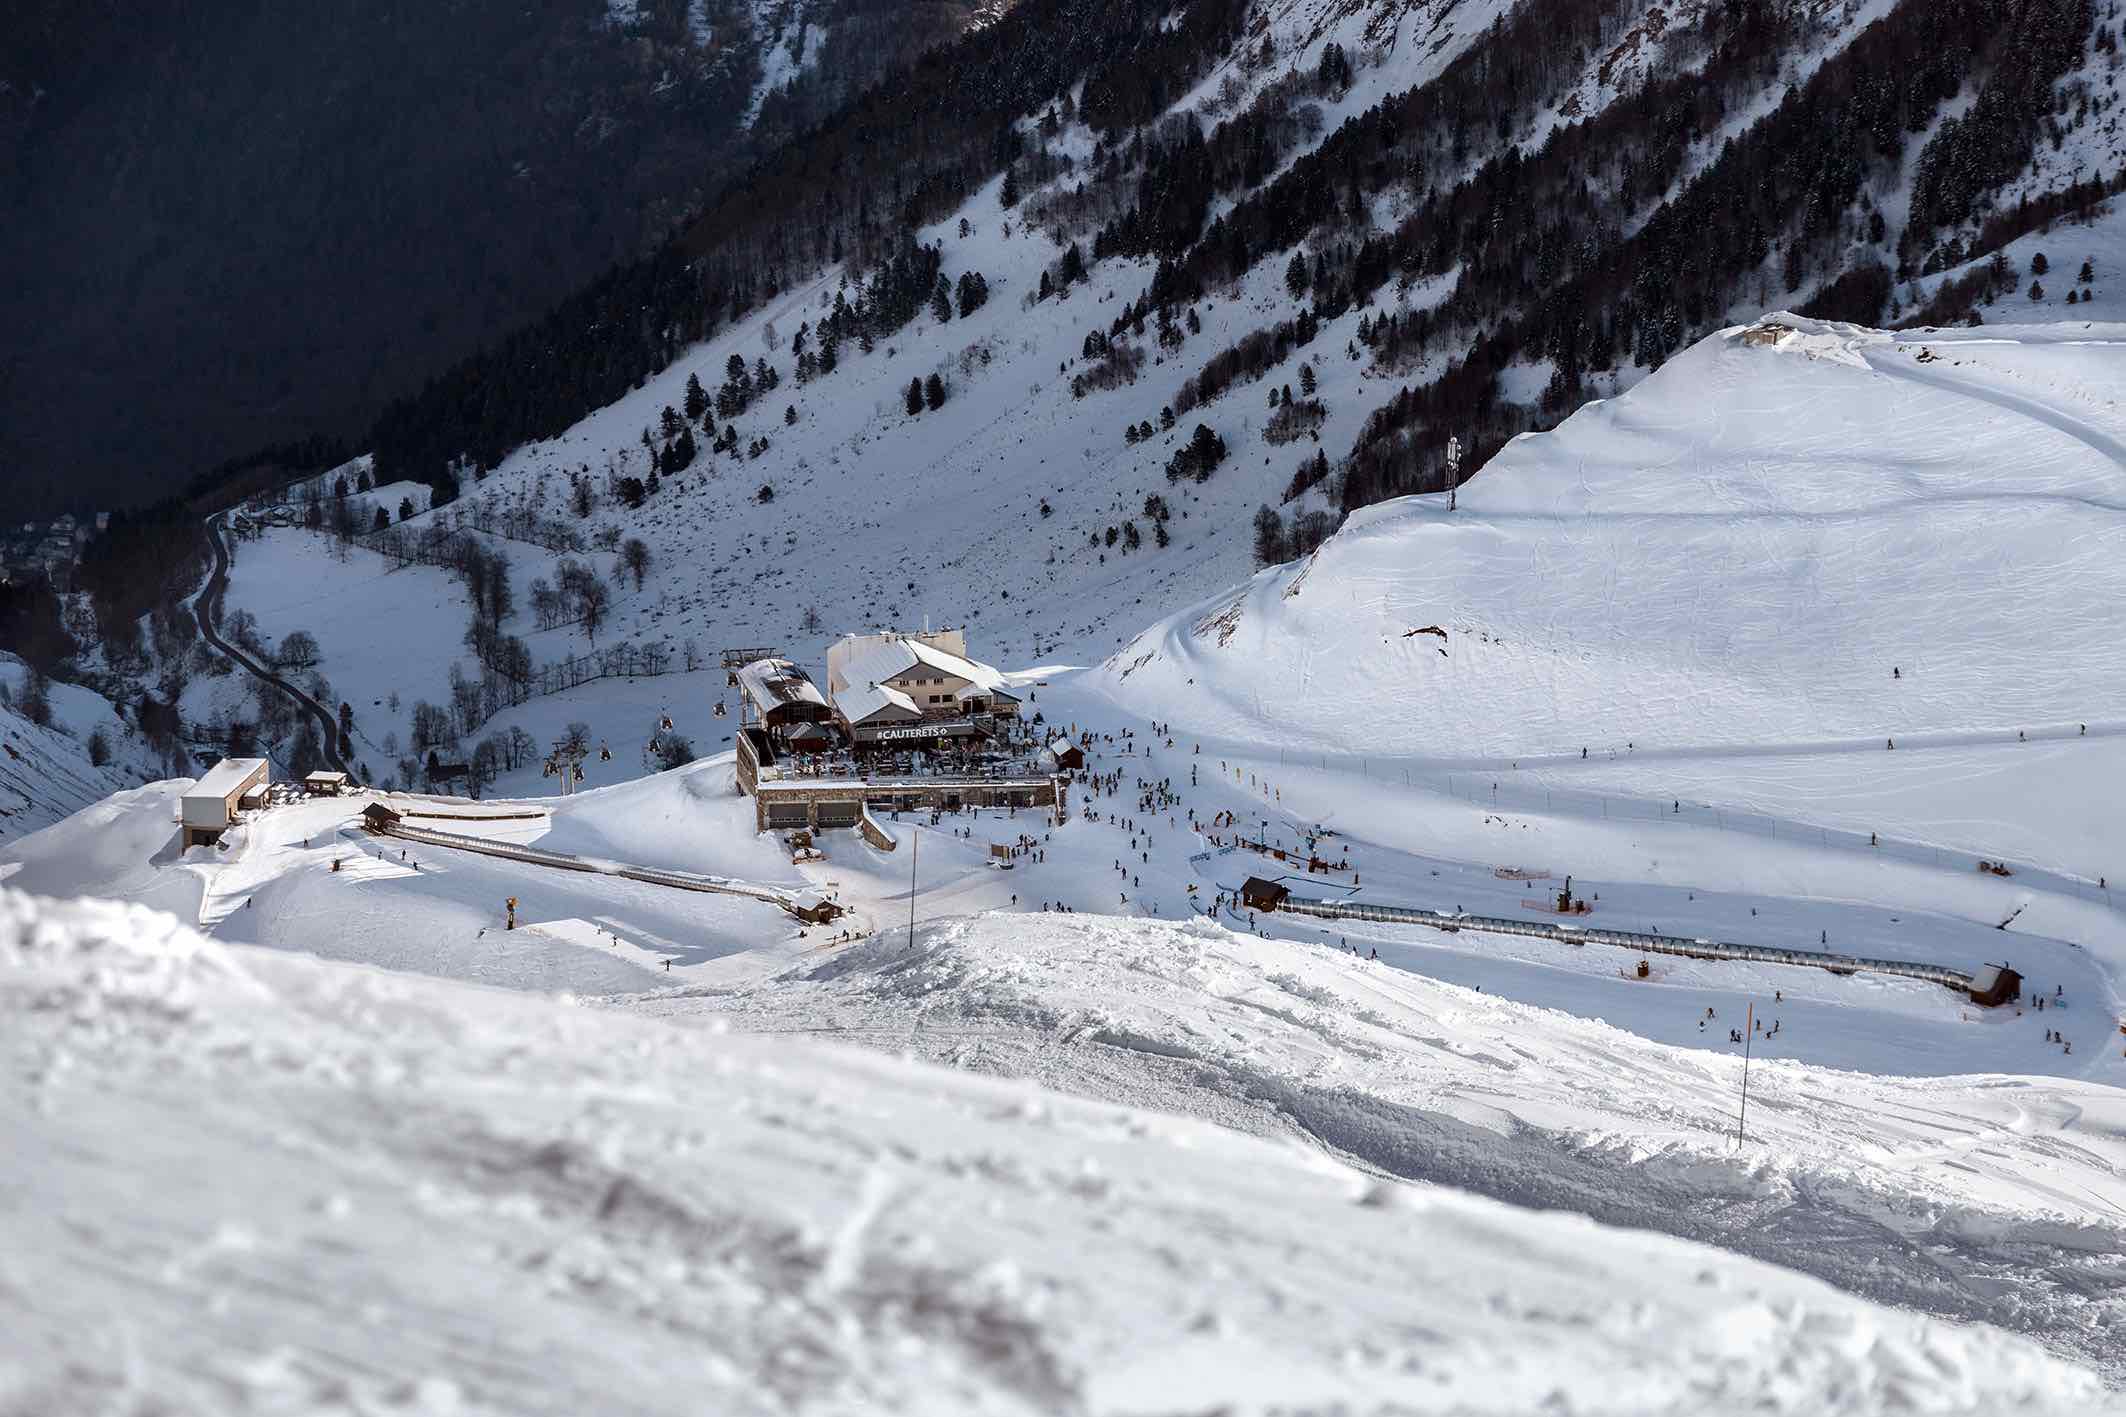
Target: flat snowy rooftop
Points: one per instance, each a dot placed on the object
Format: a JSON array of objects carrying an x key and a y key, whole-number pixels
[{"x": 223, "y": 778}]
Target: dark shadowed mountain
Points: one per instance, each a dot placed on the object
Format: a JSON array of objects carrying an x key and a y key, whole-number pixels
[{"x": 232, "y": 224}]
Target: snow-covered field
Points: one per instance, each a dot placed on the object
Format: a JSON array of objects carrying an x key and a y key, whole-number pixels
[
  {"x": 305, "y": 878},
  {"x": 372, "y": 1192},
  {"x": 1986, "y": 1184},
  {"x": 377, "y": 629}
]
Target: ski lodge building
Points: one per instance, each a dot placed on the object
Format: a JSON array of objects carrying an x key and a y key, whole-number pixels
[
  {"x": 907, "y": 722},
  {"x": 209, "y": 806},
  {"x": 914, "y": 689}
]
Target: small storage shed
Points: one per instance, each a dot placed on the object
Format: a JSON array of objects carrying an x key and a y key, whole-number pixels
[
  {"x": 813, "y": 908},
  {"x": 1995, "y": 984},
  {"x": 1259, "y": 894},
  {"x": 209, "y": 805},
  {"x": 325, "y": 784},
  {"x": 1068, "y": 755}
]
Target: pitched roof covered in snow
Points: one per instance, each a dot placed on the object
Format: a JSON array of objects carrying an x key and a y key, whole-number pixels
[
  {"x": 860, "y": 667},
  {"x": 861, "y": 702},
  {"x": 894, "y": 655}
]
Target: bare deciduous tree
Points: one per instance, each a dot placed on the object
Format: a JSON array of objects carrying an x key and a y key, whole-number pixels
[{"x": 635, "y": 555}]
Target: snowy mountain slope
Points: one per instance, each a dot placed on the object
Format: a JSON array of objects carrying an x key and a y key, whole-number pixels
[
  {"x": 127, "y": 847},
  {"x": 1990, "y": 1196},
  {"x": 375, "y": 1191},
  {"x": 881, "y": 516},
  {"x": 47, "y": 772},
  {"x": 1707, "y": 584},
  {"x": 997, "y": 509},
  {"x": 1847, "y": 536},
  {"x": 2096, "y": 239}
]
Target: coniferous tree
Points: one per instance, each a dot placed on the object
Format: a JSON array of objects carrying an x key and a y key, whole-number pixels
[
  {"x": 934, "y": 391},
  {"x": 1295, "y": 275},
  {"x": 915, "y": 397}
]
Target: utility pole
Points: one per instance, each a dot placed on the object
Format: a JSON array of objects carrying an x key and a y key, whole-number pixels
[
  {"x": 915, "y": 845},
  {"x": 1454, "y": 469},
  {"x": 1749, "y": 1026}
]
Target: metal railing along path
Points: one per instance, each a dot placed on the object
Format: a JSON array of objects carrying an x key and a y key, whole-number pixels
[
  {"x": 562, "y": 861},
  {"x": 1625, "y": 939}
]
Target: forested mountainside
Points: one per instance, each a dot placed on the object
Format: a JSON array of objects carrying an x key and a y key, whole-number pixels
[
  {"x": 1248, "y": 265},
  {"x": 1553, "y": 191},
  {"x": 237, "y": 224}
]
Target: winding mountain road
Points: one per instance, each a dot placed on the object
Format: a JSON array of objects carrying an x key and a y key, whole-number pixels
[{"x": 206, "y": 607}]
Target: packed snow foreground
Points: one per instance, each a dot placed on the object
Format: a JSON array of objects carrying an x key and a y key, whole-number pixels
[
  {"x": 240, "y": 1180},
  {"x": 1991, "y": 1197}
]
